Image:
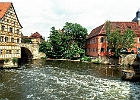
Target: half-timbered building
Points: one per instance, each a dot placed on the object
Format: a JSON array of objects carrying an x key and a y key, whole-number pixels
[{"x": 10, "y": 32}]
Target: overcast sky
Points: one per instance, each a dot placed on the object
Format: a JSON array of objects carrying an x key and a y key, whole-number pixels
[{"x": 41, "y": 15}]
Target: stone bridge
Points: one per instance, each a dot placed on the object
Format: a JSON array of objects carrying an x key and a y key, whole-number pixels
[{"x": 31, "y": 51}]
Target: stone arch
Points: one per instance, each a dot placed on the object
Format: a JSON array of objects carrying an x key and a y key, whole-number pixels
[{"x": 26, "y": 53}]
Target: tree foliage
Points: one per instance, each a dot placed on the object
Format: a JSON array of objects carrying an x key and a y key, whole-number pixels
[
  {"x": 26, "y": 40},
  {"x": 118, "y": 41},
  {"x": 69, "y": 42},
  {"x": 45, "y": 47}
]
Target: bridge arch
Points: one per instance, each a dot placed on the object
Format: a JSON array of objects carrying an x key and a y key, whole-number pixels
[
  {"x": 26, "y": 53},
  {"x": 31, "y": 51}
]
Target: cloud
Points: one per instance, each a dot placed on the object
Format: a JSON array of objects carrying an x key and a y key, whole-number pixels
[{"x": 41, "y": 15}]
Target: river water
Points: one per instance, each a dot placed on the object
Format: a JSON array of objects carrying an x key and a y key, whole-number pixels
[{"x": 65, "y": 80}]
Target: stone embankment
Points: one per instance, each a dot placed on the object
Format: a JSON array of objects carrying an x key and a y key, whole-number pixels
[{"x": 125, "y": 59}]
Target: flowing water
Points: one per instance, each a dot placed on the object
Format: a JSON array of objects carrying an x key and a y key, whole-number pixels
[{"x": 65, "y": 80}]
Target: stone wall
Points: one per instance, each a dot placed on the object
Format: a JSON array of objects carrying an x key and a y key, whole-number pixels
[
  {"x": 124, "y": 59},
  {"x": 129, "y": 59}
]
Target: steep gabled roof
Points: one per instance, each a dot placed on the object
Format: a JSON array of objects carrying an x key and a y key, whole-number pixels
[
  {"x": 4, "y": 6},
  {"x": 95, "y": 31},
  {"x": 121, "y": 25}
]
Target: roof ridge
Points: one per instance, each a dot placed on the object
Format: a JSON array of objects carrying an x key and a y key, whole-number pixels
[{"x": 102, "y": 27}]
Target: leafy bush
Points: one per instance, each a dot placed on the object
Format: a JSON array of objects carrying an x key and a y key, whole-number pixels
[
  {"x": 85, "y": 58},
  {"x": 98, "y": 61},
  {"x": 6, "y": 60},
  {"x": 43, "y": 57},
  {"x": 15, "y": 60}
]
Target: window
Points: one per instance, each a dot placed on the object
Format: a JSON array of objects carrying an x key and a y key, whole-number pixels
[
  {"x": 6, "y": 39},
  {"x": 88, "y": 49},
  {"x": 94, "y": 49},
  {"x": 138, "y": 40},
  {"x": 107, "y": 49},
  {"x": 17, "y": 51},
  {"x": 102, "y": 39},
  {"x": 2, "y": 28},
  {"x": 102, "y": 49},
  {"x": 17, "y": 40},
  {"x": 93, "y": 41},
  {"x": 1, "y": 38},
  {"x": 17, "y": 31},
  {"x": 11, "y": 29},
  {"x": 1, "y": 51},
  {"x": 12, "y": 40},
  {"x": 138, "y": 49},
  {"x": 8, "y": 51}
]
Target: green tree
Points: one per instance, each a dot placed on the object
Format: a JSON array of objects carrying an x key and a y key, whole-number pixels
[
  {"x": 69, "y": 42},
  {"x": 117, "y": 42},
  {"x": 45, "y": 47},
  {"x": 76, "y": 33},
  {"x": 76, "y": 38},
  {"x": 128, "y": 39},
  {"x": 56, "y": 42}
]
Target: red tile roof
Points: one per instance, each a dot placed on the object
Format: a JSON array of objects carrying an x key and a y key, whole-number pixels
[
  {"x": 4, "y": 6},
  {"x": 121, "y": 25},
  {"x": 36, "y": 35}
]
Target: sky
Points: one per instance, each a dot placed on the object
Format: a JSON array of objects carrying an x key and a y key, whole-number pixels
[{"x": 41, "y": 15}]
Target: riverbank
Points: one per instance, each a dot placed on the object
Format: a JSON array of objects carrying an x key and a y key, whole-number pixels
[{"x": 124, "y": 60}]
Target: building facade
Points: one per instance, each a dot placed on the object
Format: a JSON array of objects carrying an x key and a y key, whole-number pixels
[
  {"x": 35, "y": 38},
  {"x": 10, "y": 32},
  {"x": 96, "y": 44}
]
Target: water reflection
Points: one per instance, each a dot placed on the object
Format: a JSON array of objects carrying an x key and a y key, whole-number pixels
[{"x": 65, "y": 80}]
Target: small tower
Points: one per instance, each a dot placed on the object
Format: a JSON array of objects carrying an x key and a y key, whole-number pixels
[{"x": 137, "y": 18}]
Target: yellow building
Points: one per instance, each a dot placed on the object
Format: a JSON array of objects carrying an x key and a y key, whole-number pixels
[
  {"x": 36, "y": 38},
  {"x": 10, "y": 32}
]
